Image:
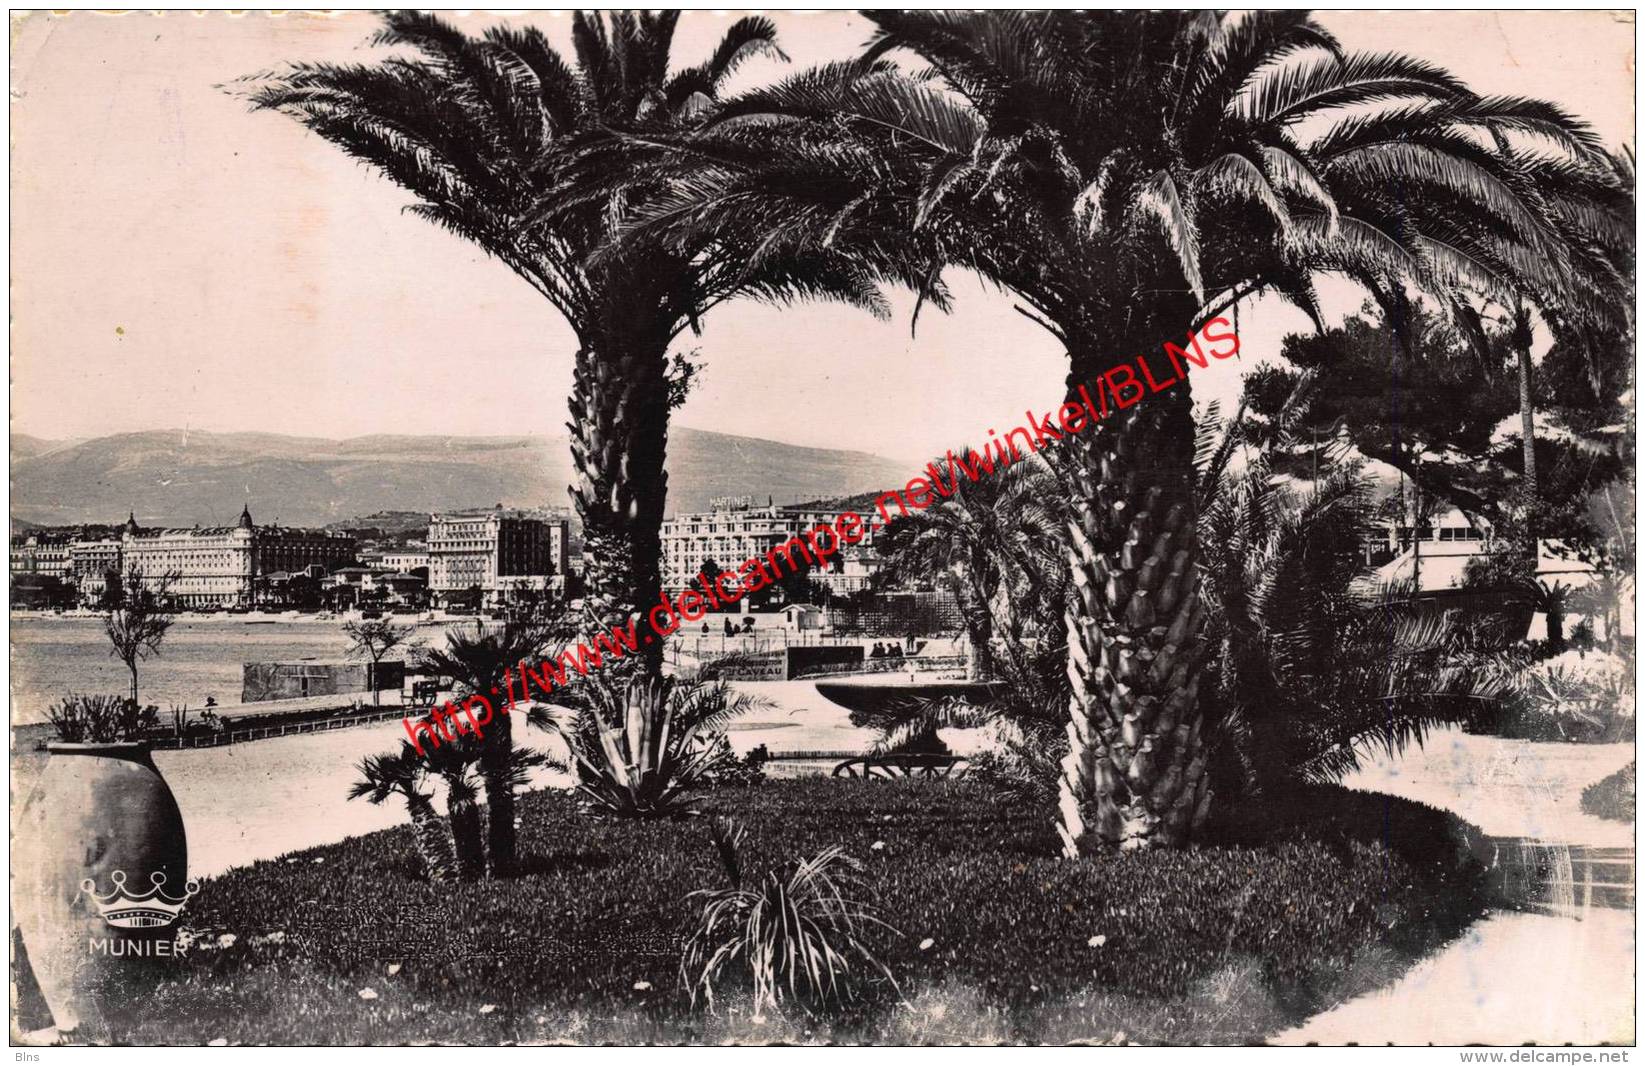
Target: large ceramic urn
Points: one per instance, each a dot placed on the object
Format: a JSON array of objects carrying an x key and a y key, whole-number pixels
[{"x": 99, "y": 875}]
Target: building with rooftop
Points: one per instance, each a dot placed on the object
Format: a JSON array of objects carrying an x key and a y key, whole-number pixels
[
  {"x": 738, "y": 531},
  {"x": 217, "y": 566},
  {"x": 500, "y": 552}
]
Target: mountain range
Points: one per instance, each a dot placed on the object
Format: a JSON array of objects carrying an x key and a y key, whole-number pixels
[{"x": 184, "y": 477}]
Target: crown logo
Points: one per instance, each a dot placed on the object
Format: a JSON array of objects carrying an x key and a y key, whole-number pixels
[{"x": 146, "y": 910}]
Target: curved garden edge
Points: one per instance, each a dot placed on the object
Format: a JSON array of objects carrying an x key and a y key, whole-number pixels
[{"x": 1000, "y": 940}]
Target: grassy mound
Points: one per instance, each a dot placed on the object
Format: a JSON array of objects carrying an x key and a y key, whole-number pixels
[
  {"x": 1613, "y": 797},
  {"x": 998, "y": 938}
]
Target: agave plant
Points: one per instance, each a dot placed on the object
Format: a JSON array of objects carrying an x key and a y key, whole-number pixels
[
  {"x": 797, "y": 933},
  {"x": 80, "y": 719},
  {"x": 639, "y": 750}
]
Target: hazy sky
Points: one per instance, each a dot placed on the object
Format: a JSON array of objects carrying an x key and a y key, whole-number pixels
[{"x": 180, "y": 262}]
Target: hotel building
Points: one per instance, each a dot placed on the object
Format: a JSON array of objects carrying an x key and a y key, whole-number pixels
[
  {"x": 42, "y": 553},
  {"x": 736, "y": 531},
  {"x": 499, "y": 552},
  {"x": 215, "y": 566}
]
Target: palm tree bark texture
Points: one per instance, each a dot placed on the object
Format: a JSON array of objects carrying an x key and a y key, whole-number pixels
[
  {"x": 619, "y": 439},
  {"x": 1135, "y": 773}
]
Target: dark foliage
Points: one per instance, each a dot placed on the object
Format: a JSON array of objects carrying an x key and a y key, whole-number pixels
[
  {"x": 600, "y": 907},
  {"x": 101, "y": 719},
  {"x": 1614, "y": 797},
  {"x": 1422, "y": 399}
]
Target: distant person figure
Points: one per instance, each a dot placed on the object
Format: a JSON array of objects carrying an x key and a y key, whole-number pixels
[
  {"x": 878, "y": 652},
  {"x": 912, "y": 648},
  {"x": 748, "y": 625},
  {"x": 730, "y": 630},
  {"x": 705, "y": 629},
  {"x": 896, "y": 651},
  {"x": 211, "y": 701}
]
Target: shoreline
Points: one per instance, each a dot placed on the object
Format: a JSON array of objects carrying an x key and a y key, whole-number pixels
[{"x": 259, "y": 800}]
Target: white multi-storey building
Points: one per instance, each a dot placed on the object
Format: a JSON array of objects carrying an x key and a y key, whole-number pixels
[
  {"x": 42, "y": 554},
  {"x": 403, "y": 562},
  {"x": 215, "y": 566},
  {"x": 741, "y": 532},
  {"x": 498, "y": 552}
]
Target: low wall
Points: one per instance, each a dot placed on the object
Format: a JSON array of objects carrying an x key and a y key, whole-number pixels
[
  {"x": 786, "y": 664},
  {"x": 284, "y": 681},
  {"x": 806, "y": 660}
]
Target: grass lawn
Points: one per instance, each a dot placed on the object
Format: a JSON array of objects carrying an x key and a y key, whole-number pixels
[
  {"x": 1612, "y": 797},
  {"x": 997, "y": 937}
]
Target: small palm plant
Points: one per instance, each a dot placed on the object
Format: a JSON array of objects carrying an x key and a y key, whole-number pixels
[
  {"x": 1553, "y": 599},
  {"x": 1317, "y": 665},
  {"x": 798, "y": 933},
  {"x": 994, "y": 542},
  {"x": 402, "y": 774},
  {"x": 481, "y": 660},
  {"x": 639, "y": 752},
  {"x": 455, "y": 763}
]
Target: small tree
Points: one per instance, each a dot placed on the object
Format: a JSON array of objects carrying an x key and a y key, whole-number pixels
[
  {"x": 402, "y": 774},
  {"x": 137, "y": 620},
  {"x": 374, "y": 638}
]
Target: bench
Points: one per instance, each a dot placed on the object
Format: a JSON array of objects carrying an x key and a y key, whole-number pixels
[{"x": 903, "y": 764}]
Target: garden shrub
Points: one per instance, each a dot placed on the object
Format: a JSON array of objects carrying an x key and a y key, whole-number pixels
[
  {"x": 82, "y": 719},
  {"x": 1577, "y": 695},
  {"x": 1613, "y": 797},
  {"x": 594, "y": 927}
]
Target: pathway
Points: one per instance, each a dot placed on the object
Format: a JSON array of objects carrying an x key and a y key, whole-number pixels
[{"x": 1562, "y": 972}]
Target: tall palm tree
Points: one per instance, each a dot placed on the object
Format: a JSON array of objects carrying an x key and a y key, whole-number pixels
[
  {"x": 478, "y": 129},
  {"x": 482, "y": 661},
  {"x": 991, "y": 540},
  {"x": 401, "y": 774},
  {"x": 1587, "y": 302},
  {"x": 1127, "y": 176}
]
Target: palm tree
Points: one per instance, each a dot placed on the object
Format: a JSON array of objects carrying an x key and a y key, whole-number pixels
[
  {"x": 1128, "y": 176},
  {"x": 482, "y": 662},
  {"x": 401, "y": 774},
  {"x": 479, "y": 129},
  {"x": 454, "y": 762},
  {"x": 992, "y": 540},
  {"x": 1589, "y": 302},
  {"x": 1315, "y": 664}
]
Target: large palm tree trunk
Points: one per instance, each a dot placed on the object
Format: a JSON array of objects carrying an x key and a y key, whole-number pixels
[
  {"x": 1135, "y": 774},
  {"x": 619, "y": 438},
  {"x": 979, "y": 631}
]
